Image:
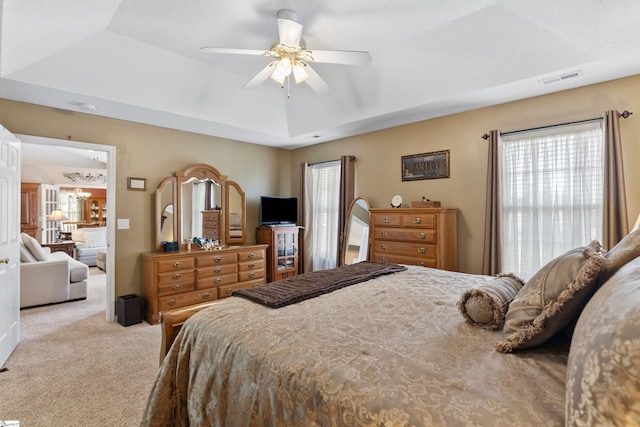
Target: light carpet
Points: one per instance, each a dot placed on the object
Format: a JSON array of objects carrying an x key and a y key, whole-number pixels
[{"x": 74, "y": 368}]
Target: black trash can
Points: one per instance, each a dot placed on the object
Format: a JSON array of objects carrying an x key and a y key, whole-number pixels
[{"x": 129, "y": 309}]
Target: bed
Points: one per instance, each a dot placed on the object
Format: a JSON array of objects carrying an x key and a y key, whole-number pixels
[{"x": 398, "y": 350}]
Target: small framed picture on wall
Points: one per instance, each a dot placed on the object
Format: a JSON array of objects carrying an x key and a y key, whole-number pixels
[{"x": 138, "y": 184}]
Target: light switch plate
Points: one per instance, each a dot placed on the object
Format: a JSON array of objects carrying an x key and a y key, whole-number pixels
[{"x": 123, "y": 223}]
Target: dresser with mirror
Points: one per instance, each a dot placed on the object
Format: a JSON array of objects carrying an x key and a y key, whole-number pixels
[{"x": 199, "y": 202}]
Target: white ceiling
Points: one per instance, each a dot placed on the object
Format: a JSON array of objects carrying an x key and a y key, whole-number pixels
[{"x": 140, "y": 60}]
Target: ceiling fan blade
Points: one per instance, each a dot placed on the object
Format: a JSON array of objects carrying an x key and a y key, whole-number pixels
[
  {"x": 316, "y": 82},
  {"x": 348, "y": 57},
  {"x": 290, "y": 32},
  {"x": 261, "y": 76},
  {"x": 235, "y": 51}
]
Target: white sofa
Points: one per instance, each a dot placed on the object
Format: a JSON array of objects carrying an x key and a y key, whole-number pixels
[
  {"x": 48, "y": 278},
  {"x": 88, "y": 243}
]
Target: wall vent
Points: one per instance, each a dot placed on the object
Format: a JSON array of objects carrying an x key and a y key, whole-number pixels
[{"x": 561, "y": 77}]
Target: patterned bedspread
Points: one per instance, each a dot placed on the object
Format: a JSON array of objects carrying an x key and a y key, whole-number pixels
[{"x": 392, "y": 351}]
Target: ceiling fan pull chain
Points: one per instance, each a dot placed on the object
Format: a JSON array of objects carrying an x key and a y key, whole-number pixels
[{"x": 288, "y": 87}]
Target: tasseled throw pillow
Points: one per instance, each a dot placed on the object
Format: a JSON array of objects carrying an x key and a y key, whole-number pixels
[
  {"x": 552, "y": 298},
  {"x": 487, "y": 305}
]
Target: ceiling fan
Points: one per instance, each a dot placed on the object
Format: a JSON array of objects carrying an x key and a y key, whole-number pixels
[{"x": 291, "y": 57}]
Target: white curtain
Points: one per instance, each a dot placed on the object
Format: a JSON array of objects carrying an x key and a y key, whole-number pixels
[
  {"x": 199, "y": 190},
  {"x": 551, "y": 190},
  {"x": 323, "y": 196}
]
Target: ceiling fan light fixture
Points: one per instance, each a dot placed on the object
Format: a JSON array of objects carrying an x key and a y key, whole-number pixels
[
  {"x": 278, "y": 75},
  {"x": 285, "y": 66},
  {"x": 290, "y": 56},
  {"x": 299, "y": 73}
]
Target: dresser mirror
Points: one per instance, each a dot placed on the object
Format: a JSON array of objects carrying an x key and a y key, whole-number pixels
[
  {"x": 236, "y": 219},
  {"x": 166, "y": 223},
  {"x": 199, "y": 202},
  {"x": 355, "y": 247}
]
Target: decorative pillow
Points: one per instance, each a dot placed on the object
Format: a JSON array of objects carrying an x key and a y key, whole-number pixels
[
  {"x": 552, "y": 298},
  {"x": 603, "y": 370},
  {"x": 627, "y": 249},
  {"x": 34, "y": 247},
  {"x": 25, "y": 255},
  {"x": 487, "y": 305},
  {"x": 77, "y": 235},
  {"x": 95, "y": 239}
]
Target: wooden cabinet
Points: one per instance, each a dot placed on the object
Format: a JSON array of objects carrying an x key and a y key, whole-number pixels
[
  {"x": 282, "y": 253},
  {"x": 29, "y": 209},
  {"x": 415, "y": 236},
  {"x": 96, "y": 210},
  {"x": 172, "y": 280}
]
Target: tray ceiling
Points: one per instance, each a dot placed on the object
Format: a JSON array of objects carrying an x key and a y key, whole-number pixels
[{"x": 140, "y": 60}]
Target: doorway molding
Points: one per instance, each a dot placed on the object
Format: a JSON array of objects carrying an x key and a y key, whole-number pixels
[{"x": 111, "y": 205}]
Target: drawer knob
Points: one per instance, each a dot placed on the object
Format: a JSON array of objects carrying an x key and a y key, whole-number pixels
[
  {"x": 422, "y": 264},
  {"x": 172, "y": 302},
  {"x": 217, "y": 259},
  {"x": 386, "y": 220},
  {"x": 422, "y": 236},
  {"x": 206, "y": 295},
  {"x": 177, "y": 287},
  {"x": 383, "y": 247},
  {"x": 252, "y": 274},
  {"x": 422, "y": 250},
  {"x": 217, "y": 269},
  {"x": 383, "y": 259},
  {"x": 417, "y": 220},
  {"x": 177, "y": 264},
  {"x": 218, "y": 280},
  {"x": 176, "y": 276},
  {"x": 252, "y": 255},
  {"x": 383, "y": 234},
  {"x": 229, "y": 291},
  {"x": 252, "y": 265}
]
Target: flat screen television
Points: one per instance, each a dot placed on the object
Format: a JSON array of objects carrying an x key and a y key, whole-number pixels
[{"x": 278, "y": 210}]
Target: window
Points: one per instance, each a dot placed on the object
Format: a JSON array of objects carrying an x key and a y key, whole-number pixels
[
  {"x": 325, "y": 197},
  {"x": 72, "y": 205},
  {"x": 551, "y": 186}
]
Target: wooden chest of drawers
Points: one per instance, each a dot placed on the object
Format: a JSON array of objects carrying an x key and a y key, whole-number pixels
[
  {"x": 179, "y": 279},
  {"x": 211, "y": 224},
  {"x": 415, "y": 236}
]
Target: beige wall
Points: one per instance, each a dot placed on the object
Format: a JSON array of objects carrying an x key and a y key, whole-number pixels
[
  {"x": 378, "y": 154},
  {"x": 153, "y": 153}
]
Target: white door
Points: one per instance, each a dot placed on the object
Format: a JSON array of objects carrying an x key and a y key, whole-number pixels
[
  {"x": 9, "y": 244},
  {"x": 48, "y": 202}
]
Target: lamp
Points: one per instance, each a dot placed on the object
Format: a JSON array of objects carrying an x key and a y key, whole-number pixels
[{"x": 58, "y": 215}]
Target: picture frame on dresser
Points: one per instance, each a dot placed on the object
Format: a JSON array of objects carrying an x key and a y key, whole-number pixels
[{"x": 431, "y": 165}]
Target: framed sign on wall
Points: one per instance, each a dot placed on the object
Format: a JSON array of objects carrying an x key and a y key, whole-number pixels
[
  {"x": 138, "y": 184},
  {"x": 425, "y": 166}
]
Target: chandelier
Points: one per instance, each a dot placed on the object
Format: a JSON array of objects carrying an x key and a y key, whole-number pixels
[{"x": 78, "y": 194}]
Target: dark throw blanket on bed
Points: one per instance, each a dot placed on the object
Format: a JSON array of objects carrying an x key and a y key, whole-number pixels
[{"x": 310, "y": 285}]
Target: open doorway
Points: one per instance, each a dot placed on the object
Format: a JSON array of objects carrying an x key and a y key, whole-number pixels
[{"x": 68, "y": 149}]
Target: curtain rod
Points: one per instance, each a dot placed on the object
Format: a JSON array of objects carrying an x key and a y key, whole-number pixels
[
  {"x": 625, "y": 114},
  {"x": 329, "y": 161}
]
